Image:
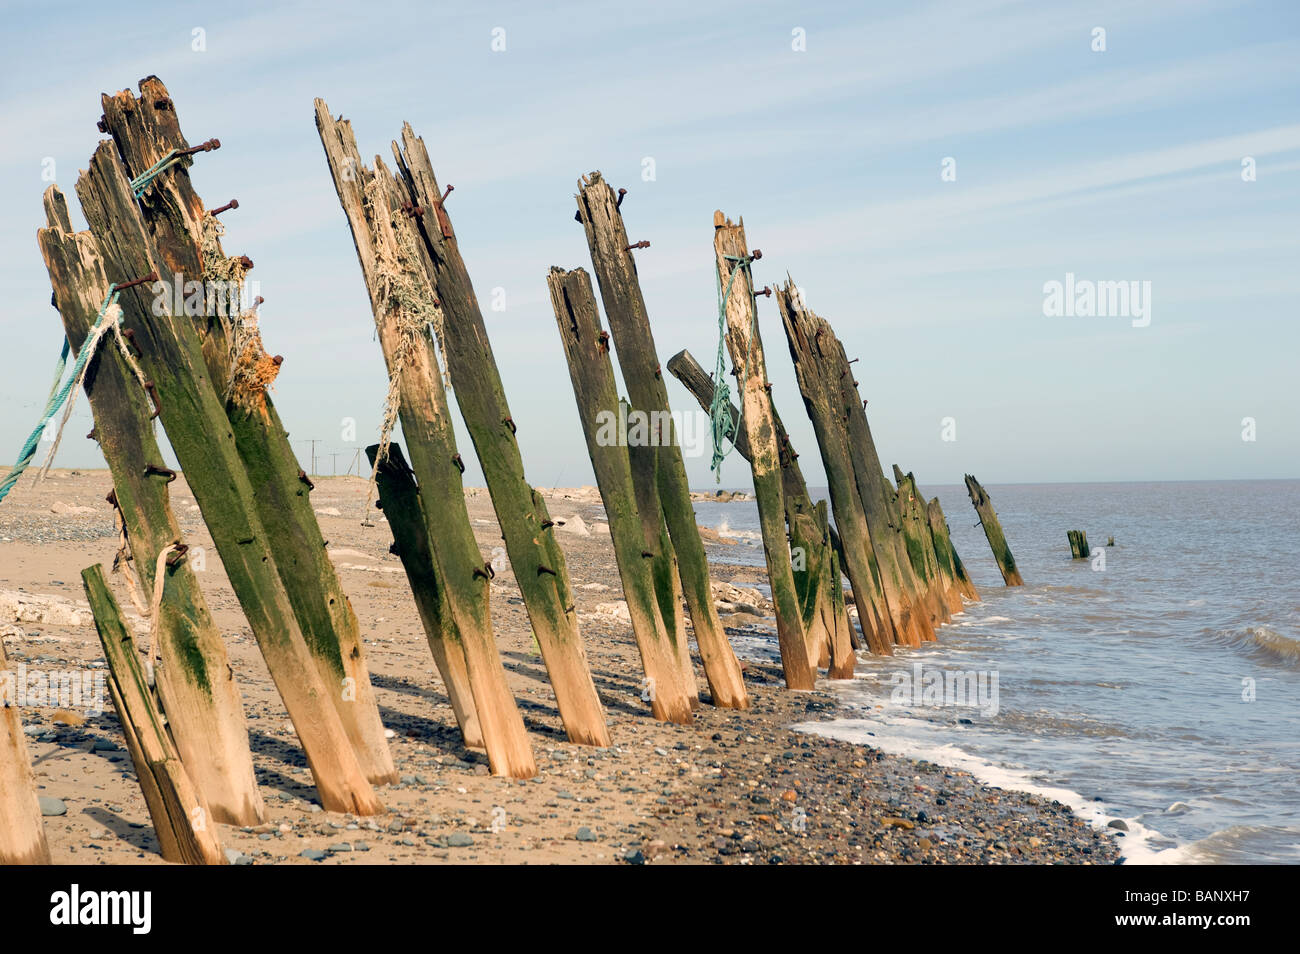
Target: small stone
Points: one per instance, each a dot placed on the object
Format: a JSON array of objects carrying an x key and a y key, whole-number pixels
[
  {"x": 458, "y": 839},
  {"x": 52, "y": 807},
  {"x": 634, "y": 857},
  {"x": 1117, "y": 823},
  {"x": 586, "y": 834},
  {"x": 902, "y": 823},
  {"x": 313, "y": 854}
]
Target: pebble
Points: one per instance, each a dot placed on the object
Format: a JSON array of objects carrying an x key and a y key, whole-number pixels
[
  {"x": 585, "y": 834},
  {"x": 313, "y": 854},
  {"x": 52, "y": 807},
  {"x": 459, "y": 839}
]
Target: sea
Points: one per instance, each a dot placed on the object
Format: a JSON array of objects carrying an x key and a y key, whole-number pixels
[{"x": 1155, "y": 684}]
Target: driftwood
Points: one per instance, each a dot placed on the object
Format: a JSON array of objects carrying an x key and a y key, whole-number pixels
[
  {"x": 596, "y": 393},
  {"x": 144, "y": 132},
  {"x": 1079, "y": 549},
  {"x": 746, "y": 347},
  {"x": 181, "y": 817},
  {"x": 22, "y": 834},
  {"x": 811, "y": 348},
  {"x": 453, "y": 588},
  {"x": 661, "y": 467},
  {"x": 171, "y": 356},
  {"x": 473, "y": 675},
  {"x": 195, "y": 680},
  {"x": 528, "y": 531},
  {"x": 979, "y": 498}
]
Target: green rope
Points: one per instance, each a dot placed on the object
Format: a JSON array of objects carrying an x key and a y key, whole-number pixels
[
  {"x": 57, "y": 396},
  {"x": 141, "y": 182},
  {"x": 720, "y": 423}
]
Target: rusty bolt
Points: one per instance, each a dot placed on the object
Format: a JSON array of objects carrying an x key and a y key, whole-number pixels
[
  {"x": 102, "y": 125},
  {"x": 302, "y": 476},
  {"x": 460, "y": 464},
  {"x": 766, "y": 292},
  {"x": 641, "y": 244},
  {"x": 232, "y": 204},
  {"x": 245, "y": 261},
  {"x": 151, "y": 277},
  {"x": 756, "y": 254},
  {"x": 510, "y": 423},
  {"x": 201, "y": 147},
  {"x": 161, "y": 471},
  {"x": 277, "y": 360},
  {"x": 93, "y": 435},
  {"x": 619, "y": 203},
  {"x": 603, "y": 339},
  {"x": 450, "y": 189},
  {"x": 153, "y": 395},
  {"x": 412, "y": 210}
]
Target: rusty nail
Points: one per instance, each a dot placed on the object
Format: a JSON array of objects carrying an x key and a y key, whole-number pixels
[
  {"x": 460, "y": 464},
  {"x": 641, "y": 244},
  {"x": 178, "y": 554},
  {"x": 245, "y": 261},
  {"x": 277, "y": 360},
  {"x": 619, "y": 203},
  {"x": 757, "y": 254},
  {"x": 603, "y": 338},
  {"x": 129, "y": 335},
  {"x": 153, "y": 395},
  {"x": 111, "y": 497},
  {"x": 480, "y": 572},
  {"x": 302, "y": 476},
  {"x": 201, "y": 147},
  {"x": 447, "y": 193},
  {"x": 151, "y": 277},
  {"x": 647, "y": 553},
  {"x": 543, "y": 568},
  {"x": 93, "y": 435},
  {"x": 547, "y": 524},
  {"x": 851, "y": 360},
  {"x": 258, "y": 300},
  {"x": 102, "y": 125},
  {"x": 412, "y": 210},
  {"x": 161, "y": 471},
  {"x": 659, "y": 373},
  {"x": 492, "y": 573},
  {"x": 577, "y": 216},
  {"x": 510, "y": 423},
  {"x": 232, "y": 204},
  {"x": 766, "y": 292}
]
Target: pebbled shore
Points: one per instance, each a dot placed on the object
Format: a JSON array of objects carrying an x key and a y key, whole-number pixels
[{"x": 735, "y": 788}]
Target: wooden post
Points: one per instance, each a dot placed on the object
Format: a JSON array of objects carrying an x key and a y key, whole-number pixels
[
  {"x": 22, "y": 834},
  {"x": 535, "y": 555},
  {"x": 596, "y": 393},
  {"x": 919, "y": 541},
  {"x": 181, "y": 817},
  {"x": 170, "y": 355},
  {"x": 839, "y": 657},
  {"x": 811, "y": 341},
  {"x": 629, "y": 325},
  {"x": 186, "y": 239},
  {"x": 959, "y": 584},
  {"x": 195, "y": 680},
  {"x": 746, "y": 347},
  {"x": 401, "y": 301},
  {"x": 993, "y": 532},
  {"x": 474, "y": 676},
  {"x": 1079, "y": 549}
]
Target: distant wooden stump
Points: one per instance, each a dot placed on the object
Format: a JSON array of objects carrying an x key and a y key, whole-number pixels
[{"x": 1078, "y": 544}]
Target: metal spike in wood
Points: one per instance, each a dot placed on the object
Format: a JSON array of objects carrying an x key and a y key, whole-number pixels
[
  {"x": 181, "y": 817},
  {"x": 473, "y": 675},
  {"x": 960, "y": 588},
  {"x": 979, "y": 498},
  {"x": 538, "y": 562},
  {"x": 688, "y": 371},
  {"x": 629, "y": 324},
  {"x": 460, "y": 611},
  {"x": 202, "y": 439},
  {"x": 196, "y": 683},
  {"x": 756, "y": 417},
  {"x": 811, "y": 348},
  {"x": 177, "y": 217},
  {"x": 22, "y": 833},
  {"x": 596, "y": 393}
]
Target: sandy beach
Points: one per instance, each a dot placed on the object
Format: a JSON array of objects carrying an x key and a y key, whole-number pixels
[{"x": 734, "y": 788}]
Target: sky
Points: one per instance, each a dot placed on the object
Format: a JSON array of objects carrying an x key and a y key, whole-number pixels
[{"x": 923, "y": 171}]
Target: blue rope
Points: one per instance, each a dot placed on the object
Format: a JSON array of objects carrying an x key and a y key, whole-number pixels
[
  {"x": 141, "y": 182},
  {"x": 57, "y": 396},
  {"x": 720, "y": 423}
]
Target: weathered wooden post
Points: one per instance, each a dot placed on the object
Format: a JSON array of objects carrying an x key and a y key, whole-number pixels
[
  {"x": 815, "y": 590},
  {"x": 1079, "y": 549},
  {"x": 629, "y": 325},
  {"x": 196, "y": 683},
  {"x": 473, "y": 675},
  {"x": 598, "y": 408},
  {"x": 919, "y": 541},
  {"x": 171, "y": 357},
  {"x": 746, "y": 347},
  {"x": 22, "y": 834},
  {"x": 181, "y": 817},
  {"x": 993, "y": 532},
  {"x": 810, "y": 341},
  {"x": 535, "y": 555},
  {"x": 146, "y": 130},
  {"x": 452, "y": 586},
  {"x": 960, "y": 585}
]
